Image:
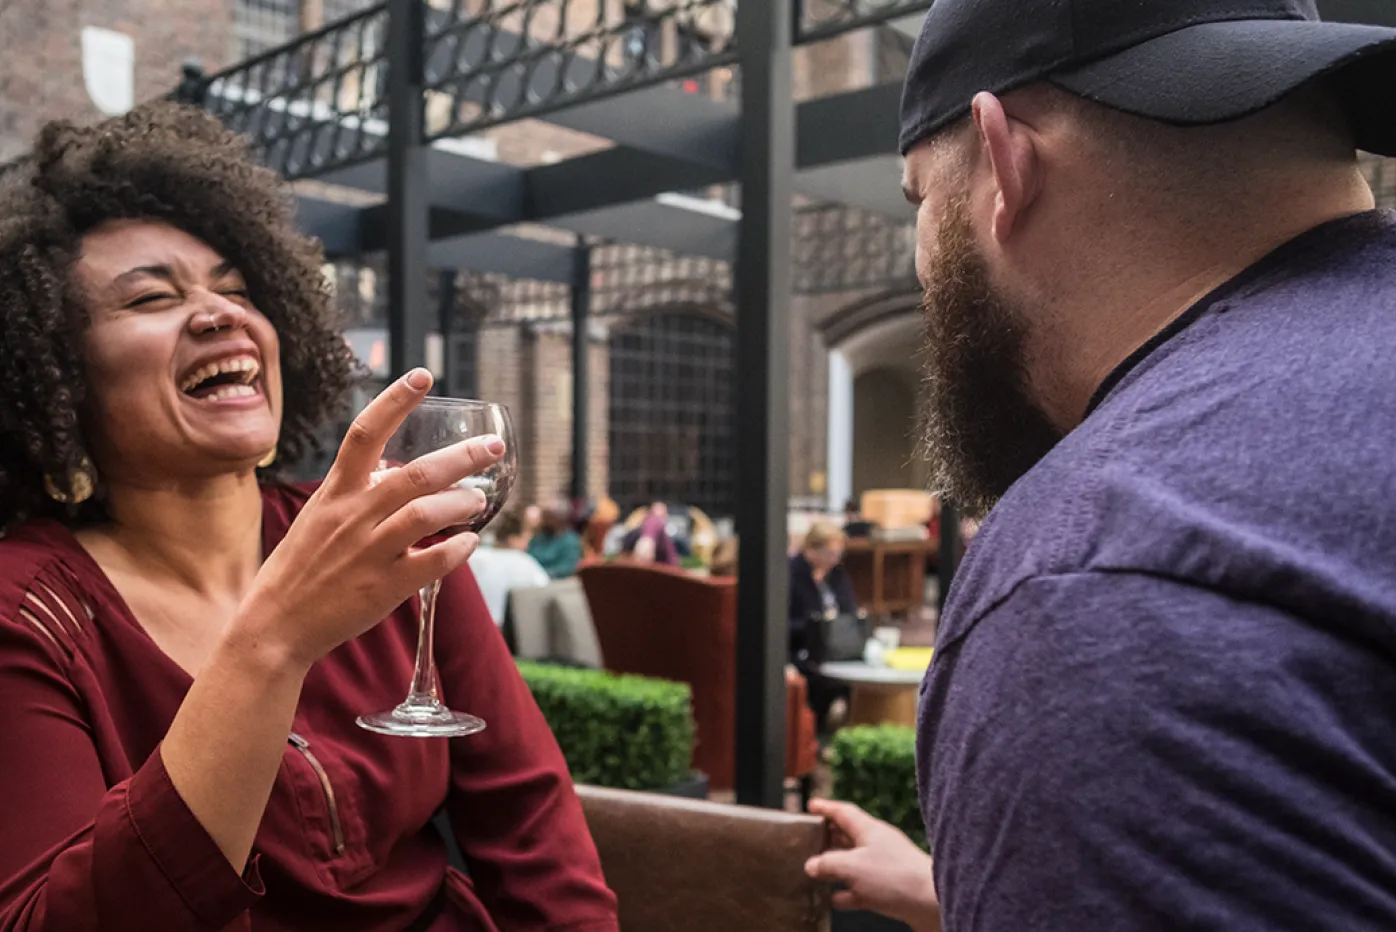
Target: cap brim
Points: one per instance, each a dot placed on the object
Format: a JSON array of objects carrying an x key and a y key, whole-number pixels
[{"x": 1215, "y": 72}]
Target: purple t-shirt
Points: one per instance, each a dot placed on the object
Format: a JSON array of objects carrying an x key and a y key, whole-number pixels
[{"x": 1164, "y": 695}]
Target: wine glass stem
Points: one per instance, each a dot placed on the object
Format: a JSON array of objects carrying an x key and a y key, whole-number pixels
[{"x": 424, "y": 690}]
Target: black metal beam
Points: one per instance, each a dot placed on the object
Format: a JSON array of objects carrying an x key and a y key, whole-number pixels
[
  {"x": 763, "y": 349},
  {"x": 844, "y": 127},
  {"x": 408, "y": 189},
  {"x": 446, "y": 325},
  {"x": 375, "y": 225},
  {"x": 581, "y": 313},
  {"x": 471, "y": 195},
  {"x": 610, "y": 177}
]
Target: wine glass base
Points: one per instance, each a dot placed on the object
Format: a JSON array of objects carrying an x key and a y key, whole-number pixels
[{"x": 423, "y": 721}]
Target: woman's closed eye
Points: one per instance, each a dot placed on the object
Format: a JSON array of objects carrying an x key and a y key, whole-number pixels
[{"x": 153, "y": 298}]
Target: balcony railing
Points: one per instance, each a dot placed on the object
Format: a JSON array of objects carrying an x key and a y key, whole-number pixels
[
  {"x": 314, "y": 104},
  {"x": 491, "y": 62}
]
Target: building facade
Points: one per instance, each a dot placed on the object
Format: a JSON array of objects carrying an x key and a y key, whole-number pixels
[{"x": 661, "y": 409}]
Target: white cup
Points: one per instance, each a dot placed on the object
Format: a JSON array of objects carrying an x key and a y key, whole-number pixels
[
  {"x": 874, "y": 653},
  {"x": 890, "y": 638}
]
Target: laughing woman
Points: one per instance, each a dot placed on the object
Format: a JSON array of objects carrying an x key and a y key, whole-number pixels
[{"x": 184, "y": 642}]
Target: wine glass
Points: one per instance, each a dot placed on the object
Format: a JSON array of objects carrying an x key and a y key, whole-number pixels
[{"x": 437, "y": 423}]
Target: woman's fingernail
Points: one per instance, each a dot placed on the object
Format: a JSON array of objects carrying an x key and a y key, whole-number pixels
[
  {"x": 420, "y": 379},
  {"x": 494, "y": 445}
]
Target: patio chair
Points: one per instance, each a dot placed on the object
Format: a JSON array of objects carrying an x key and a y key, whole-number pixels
[
  {"x": 682, "y": 865},
  {"x": 665, "y": 623}
]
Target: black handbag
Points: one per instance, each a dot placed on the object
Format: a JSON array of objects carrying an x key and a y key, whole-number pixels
[{"x": 837, "y": 637}]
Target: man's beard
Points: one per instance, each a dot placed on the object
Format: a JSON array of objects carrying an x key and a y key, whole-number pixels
[{"x": 980, "y": 428}]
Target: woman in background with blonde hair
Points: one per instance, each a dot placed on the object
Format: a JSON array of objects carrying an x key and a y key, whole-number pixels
[{"x": 819, "y": 589}]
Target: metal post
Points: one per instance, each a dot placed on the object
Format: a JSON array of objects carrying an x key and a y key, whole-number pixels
[
  {"x": 446, "y": 326},
  {"x": 408, "y": 190},
  {"x": 949, "y": 548},
  {"x": 193, "y": 86},
  {"x": 763, "y": 362},
  {"x": 581, "y": 312}
]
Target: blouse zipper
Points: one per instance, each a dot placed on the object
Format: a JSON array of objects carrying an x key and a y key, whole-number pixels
[{"x": 302, "y": 745}]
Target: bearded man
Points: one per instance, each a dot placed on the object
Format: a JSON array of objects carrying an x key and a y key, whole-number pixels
[{"x": 1160, "y": 320}]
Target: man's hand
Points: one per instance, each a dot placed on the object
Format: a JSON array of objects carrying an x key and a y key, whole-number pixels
[{"x": 879, "y": 867}]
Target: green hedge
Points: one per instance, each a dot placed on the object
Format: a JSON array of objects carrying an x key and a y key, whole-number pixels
[
  {"x": 875, "y": 768},
  {"x": 625, "y": 732}
]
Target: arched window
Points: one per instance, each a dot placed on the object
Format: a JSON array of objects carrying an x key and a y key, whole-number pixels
[{"x": 672, "y": 417}]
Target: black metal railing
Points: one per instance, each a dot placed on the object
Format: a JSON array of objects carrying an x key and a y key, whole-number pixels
[
  {"x": 817, "y": 20},
  {"x": 491, "y": 61},
  {"x": 313, "y": 104},
  {"x": 319, "y": 102}
]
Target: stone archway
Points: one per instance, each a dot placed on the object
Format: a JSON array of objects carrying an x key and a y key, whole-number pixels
[
  {"x": 884, "y": 423},
  {"x": 872, "y": 389}
]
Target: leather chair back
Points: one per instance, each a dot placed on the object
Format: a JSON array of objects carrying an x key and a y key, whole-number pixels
[
  {"x": 681, "y": 865},
  {"x": 661, "y": 622}
]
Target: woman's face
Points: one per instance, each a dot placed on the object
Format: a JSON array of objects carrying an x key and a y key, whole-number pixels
[
  {"x": 825, "y": 558},
  {"x": 184, "y": 372}
]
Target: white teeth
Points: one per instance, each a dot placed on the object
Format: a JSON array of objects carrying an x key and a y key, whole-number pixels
[
  {"x": 230, "y": 391},
  {"x": 245, "y": 365}
]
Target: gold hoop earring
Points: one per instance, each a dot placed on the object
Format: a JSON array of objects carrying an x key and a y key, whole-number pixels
[
  {"x": 80, "y": 483},
  {"x": 268, "y": 459}
]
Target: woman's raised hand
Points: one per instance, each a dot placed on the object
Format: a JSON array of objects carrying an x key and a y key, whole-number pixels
[{"x": 350, "y": 557}]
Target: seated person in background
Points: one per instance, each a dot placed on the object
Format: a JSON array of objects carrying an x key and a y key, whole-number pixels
[
  {"x": 724, "y": 563},
  {"x": 532, "y": 520},
  {"x": 556, "y": 546},
  {"x": 506, "y": 566},
  {"x": 603, "y": 517},
  {"x": 819, "y": 585},
  {"x": 819, "y": 588},
  {"x": 650, "y": 542},
  {"x": 854, "y": 524}
]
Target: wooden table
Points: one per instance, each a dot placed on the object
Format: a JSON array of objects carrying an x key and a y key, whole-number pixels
[
  {"x": 877, "y": 695},
  {"x": 889, "y": 577}
]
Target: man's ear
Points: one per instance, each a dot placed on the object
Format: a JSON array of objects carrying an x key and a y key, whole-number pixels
[{"x": 1013, "y": 161}]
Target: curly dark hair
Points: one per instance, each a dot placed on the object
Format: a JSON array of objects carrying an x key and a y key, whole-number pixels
[{"x": 159, "y": 162}]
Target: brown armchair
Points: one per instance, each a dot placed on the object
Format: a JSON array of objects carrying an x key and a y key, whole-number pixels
[
  {"x": 660, "y": 622},
  {"x": 681, "y": 865}
]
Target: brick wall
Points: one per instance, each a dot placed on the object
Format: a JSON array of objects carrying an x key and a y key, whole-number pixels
[
  {"x": 41, "y": 78},
  {"x": 41, "y": 55},
  {"x": 531, "y": 372}
]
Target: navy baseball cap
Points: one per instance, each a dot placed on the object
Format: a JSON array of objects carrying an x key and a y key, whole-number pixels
[{"x": 1184, "y": 62}]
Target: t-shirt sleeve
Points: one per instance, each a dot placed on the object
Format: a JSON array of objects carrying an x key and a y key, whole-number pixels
[
  {"x": 77, "y": 853},
  {"x": 1125, "y": 752}
]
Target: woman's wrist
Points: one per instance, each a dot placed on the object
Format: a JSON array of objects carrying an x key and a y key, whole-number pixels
[{"x": 253, "y": 645}]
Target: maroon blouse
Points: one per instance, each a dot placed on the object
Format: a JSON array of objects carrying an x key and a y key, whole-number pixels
[{"x": 94, "y": 838}]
